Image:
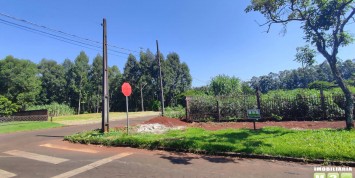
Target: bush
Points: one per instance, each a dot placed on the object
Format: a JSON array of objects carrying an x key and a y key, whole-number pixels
[
  {"x": 321, "y": 85},
  {"x": 156, "y": 105},
  {"x": 7, "y": 107},
  {"x": 175, "y": 112}
]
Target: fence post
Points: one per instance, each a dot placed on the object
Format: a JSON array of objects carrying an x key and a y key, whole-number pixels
[
  {"x": 219, "y": 111},
  {"x": 187, "y": 99},
  {"x": 322, "y": 100}
]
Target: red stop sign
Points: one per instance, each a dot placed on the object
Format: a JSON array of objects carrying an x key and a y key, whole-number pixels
[{"x": 126, "y": 89}]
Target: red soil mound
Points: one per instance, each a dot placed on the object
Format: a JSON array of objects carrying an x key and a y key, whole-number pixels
[
  {"x": 169, "y": 122},
  {"x": 285, "y": 124}
]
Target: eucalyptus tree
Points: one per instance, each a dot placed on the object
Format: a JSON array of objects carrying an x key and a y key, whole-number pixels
[
  {"x": 305, "y": 56},
  {"x": 69, "y": 76},
  {"x": 177, "y": 78},
  {"x": 115, "y": 79},
  {"x": 81, "y": 70},
  {"x": 95, "y": 79},
  {"x": 324, "y": 24},
  {"x": 132, "y": 75},
  {"x": 147, "y": 82}
]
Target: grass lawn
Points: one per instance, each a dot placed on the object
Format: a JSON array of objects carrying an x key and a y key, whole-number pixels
[
  {"x": 328, "y": 144},
  {"x": 96, "y": 117},
  {"x": 9, "y": 127}
]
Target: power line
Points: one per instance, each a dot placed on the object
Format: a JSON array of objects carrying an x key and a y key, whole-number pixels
[
  {"x": 67, "y": 34},
  {"x": 56, "y": 37},
  {"x": 201, "y": 81}
]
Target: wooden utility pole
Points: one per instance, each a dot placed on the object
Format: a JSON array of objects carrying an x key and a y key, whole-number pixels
[
  {"x": 105, "y": 95},
  {"x": 161, "y": 81}
]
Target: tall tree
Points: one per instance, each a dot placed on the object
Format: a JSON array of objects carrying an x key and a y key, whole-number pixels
[
  {"x": 132, "y": 75},
  {"x": 81, "y": 70},
  {"x": 53, "y": 81},
  {"x": 323, "y": 23},
  {"x": 176, "y": 76},
  {"x": 305, "y": 56},
  {"x": 95, "y": 83},
  {"x": 69, "y": 75},
  {"x": 147, "y": 81},
  {"x": 115, "y": 79},
  {"x": 19, "y": 81}
]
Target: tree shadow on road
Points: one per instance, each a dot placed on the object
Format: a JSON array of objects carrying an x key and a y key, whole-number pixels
[
  {"x": 50, "y": 136},
  {"x": 185, "y": 160}
]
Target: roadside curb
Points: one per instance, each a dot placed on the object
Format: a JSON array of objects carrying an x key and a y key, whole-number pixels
[
  {"x": 290, "y": 159},
  {"x": 245, "y": 155},
  {"x": 266, "y": 157}
]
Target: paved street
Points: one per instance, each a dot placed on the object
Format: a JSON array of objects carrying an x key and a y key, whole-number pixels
[{"x": 43, "y": 154}]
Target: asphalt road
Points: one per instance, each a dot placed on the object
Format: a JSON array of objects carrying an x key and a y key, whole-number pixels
[{"x": 38, "y": 154}]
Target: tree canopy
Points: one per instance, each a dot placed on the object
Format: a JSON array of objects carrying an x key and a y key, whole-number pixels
[
  {"x": 324, "y": 25},
  {"x": 78, "y": 83}
]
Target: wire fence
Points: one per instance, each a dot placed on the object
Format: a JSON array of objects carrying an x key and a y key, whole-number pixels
[
  {"x": 37, "y": 115},
  {"x": 298, "y": 108}
]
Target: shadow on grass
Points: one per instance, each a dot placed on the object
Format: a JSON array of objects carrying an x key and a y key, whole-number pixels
[{"x": 244, "y": 141}]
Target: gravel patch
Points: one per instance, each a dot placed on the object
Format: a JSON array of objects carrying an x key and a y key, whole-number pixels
[{"x": 156, "y": 128}]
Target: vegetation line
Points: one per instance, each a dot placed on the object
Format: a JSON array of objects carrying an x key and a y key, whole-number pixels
[{"x": 325, "y": 144}]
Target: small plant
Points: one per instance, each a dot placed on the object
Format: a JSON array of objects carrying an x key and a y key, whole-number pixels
[{"x": 275, "y": 116}]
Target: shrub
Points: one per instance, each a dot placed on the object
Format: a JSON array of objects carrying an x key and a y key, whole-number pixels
[
  {"x": 7, "y": 107},
  {"x": 175, "y": 112},
  {"x": 156, "y": 105}
]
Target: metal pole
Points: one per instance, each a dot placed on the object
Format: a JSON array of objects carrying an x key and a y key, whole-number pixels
[
  {"x": 105, "y": 98},
  {"x": 161, "y": 81},
  {"x": 127, "y": 114}
]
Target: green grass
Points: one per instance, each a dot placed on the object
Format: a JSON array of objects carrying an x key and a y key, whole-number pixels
[
  {"x": 96, "y": 117},
  {"x": 332, "y": 145},
  {"x": 9, "y": 127}
]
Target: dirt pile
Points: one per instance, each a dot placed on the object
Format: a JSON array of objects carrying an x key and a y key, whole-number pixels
[{"x": 168, "y": 122}]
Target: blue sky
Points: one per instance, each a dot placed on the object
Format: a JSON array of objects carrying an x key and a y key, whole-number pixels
[{"x": 212, "y": 37}]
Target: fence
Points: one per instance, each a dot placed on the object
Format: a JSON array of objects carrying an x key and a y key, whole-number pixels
[
  {"x": 36, "y": 115},
  {"x": 299, "y": 107}
]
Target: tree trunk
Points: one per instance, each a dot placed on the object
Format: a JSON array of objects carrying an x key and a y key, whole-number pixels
[
  {"x": 97, "y": 104},
  {"x": 349, "y": 100},
  {"x": 79, "y": 103},
  {"x": 142, "y": 102}
]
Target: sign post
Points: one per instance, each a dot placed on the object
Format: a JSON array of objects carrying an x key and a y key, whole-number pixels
[
  {"x": 254, "y": 114},
  {"x": 127, "y": 91}
]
